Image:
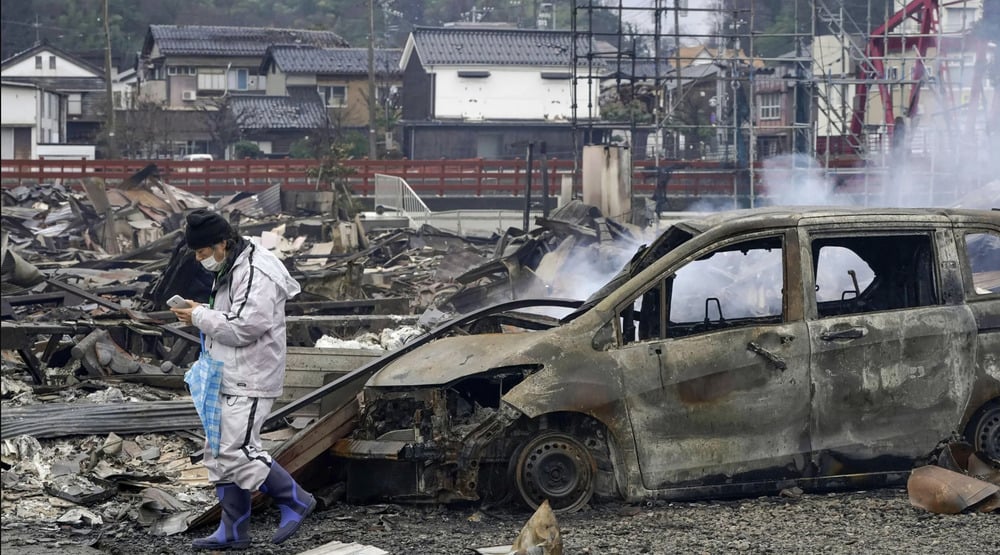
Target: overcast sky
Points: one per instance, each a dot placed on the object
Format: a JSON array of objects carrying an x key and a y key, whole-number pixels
[{"x": 690, "y": 22}]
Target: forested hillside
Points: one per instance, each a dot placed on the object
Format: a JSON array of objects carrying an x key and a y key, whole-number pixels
[{"x": 76, "y": 25}]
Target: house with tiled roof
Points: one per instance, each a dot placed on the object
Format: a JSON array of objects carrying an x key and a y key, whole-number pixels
[
  {"x": 191, "y": 70},
  {"x": 181, "y": 64},
  {"x": 339, "y": 76},
  {"x": 78, "y": 83},
  {"x": 475, "y": 91},
  {"x": 274, "y": 123}
]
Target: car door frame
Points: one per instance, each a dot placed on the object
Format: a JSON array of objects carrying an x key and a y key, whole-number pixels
[
  {"x": 696, "y": 433},
  {"x": 869, "y": 416}
]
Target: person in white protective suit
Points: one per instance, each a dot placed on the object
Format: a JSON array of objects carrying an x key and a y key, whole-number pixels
[{"x": 244, "y": 328}]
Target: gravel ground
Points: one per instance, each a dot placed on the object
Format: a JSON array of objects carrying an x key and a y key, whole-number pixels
[{"x": 880, "y": 521}]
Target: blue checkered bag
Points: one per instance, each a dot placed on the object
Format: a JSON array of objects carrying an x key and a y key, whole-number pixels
[{"x": 204, "y": 380}]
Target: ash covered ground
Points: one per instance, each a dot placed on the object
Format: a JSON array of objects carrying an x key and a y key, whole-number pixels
[{"x": 878, "y": 521}]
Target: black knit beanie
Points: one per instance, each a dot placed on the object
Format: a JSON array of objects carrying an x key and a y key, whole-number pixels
[{"x": 205, "y": 229}]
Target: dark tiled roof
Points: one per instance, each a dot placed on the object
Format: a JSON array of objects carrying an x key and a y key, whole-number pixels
[
  {"x": 496, "y": 46},
  {"x": 206, "y": 40},
  {"x": 292, "y": 58},
  {"x": 299, "y": 111},
  {"x": 639, "y": 69}
]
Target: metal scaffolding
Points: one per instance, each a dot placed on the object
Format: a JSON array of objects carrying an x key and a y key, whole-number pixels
[{"x": 908, "y": 92}]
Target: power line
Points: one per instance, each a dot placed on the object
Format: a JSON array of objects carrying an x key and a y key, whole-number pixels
[{"x": 36, "y": 25}]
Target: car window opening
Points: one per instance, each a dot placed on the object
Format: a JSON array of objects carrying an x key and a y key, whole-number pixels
[
  {"x": 856, "y": 275},
  {"x": 736, "y": 286}
]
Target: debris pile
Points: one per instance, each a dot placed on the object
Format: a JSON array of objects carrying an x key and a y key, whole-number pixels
[{"x": 98, "y": 432}]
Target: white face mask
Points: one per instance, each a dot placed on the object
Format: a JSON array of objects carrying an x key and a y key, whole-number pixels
[{"x": 211, "y": 264}]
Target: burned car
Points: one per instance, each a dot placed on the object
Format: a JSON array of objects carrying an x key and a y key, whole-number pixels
[{"x": 737, "y": 354}]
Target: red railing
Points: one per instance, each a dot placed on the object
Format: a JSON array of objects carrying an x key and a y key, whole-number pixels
[
  {"x": 475, "y": 177},
  {"x": 221, "y": 177}
]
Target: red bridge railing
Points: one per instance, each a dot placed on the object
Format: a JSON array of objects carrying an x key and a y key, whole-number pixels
[{"x": 470, "y": 177}]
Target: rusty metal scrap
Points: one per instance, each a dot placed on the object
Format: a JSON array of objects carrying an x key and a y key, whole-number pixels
[{"x": 939, "y": 490}]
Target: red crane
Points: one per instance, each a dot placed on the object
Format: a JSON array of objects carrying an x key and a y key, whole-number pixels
[{"x": 872, "y": 69}]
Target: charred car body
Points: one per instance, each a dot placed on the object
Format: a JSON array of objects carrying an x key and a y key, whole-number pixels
[{"x": 737, "y": 354}]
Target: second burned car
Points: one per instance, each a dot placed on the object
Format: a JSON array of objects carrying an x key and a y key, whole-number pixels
[{"x": 737, "y": 354}]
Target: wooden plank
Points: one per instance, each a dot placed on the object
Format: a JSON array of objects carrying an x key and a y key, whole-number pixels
[
  {"x": 328, "y": 360},
  {"x": 309, "y": 368},
  {"x": 339, "y": 548}
]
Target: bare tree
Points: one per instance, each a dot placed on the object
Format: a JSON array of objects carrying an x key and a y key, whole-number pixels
[
  {"x": 143, "y": 131},
  {"x": 224, "y": 124}
]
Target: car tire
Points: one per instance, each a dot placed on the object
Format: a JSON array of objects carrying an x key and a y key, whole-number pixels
[
  {"x": 555, "y": 466},
  {"x": 983, "y": 431}
]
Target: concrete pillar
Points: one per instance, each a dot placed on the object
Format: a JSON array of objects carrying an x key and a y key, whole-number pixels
[{"x": 607, "y": 179}]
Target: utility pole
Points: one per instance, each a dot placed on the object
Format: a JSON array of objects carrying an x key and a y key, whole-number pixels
[
  {"x": 372, "y": 139},
  {"x": 110, "y": 121},
  {"x": 527, "y": 186}
]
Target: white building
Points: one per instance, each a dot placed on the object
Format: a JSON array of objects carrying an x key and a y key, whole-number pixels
[{"x": 30, "y": 116}]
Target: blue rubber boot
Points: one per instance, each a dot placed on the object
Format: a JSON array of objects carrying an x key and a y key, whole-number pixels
[
  {"x": 234, "y": 529},
  {"x": 294, "y": 502}
]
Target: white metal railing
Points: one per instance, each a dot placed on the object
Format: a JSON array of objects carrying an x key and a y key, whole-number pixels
[
  {"x": 394, "y": 194},
  {"x": 475, "y": 222}
]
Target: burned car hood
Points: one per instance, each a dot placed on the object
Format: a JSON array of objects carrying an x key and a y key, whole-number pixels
[{"x": 448, "y": 359}]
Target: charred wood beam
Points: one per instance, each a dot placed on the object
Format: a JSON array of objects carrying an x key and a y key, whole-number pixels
[
  {"x": 17, "y": 340},
  {"x": 65, "y": 298},
  {"x": 145, "y": 318},
  {"x": 390, "y": 305},
  {"x": 342, "y": 260}
]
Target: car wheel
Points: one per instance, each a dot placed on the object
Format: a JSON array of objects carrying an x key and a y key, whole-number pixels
[
  {"x": 983, "y": 431},
  {"x": 557, "y": 467}
]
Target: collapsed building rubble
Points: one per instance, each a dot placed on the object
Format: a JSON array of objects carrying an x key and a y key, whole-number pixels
[{"x": 94, "y": 405}]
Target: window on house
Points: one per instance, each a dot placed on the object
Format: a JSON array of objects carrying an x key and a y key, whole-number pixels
[
  {"x": 182, "y": 70},
  {"x": 892, "y": 73},
  {"x": 335, "y": 96},
  {"x": 38, "y": 62},
  {"x": 212, "y": 79},
  {"x": 769, "y": 146},
  {"x": 52, "y": 62},
  {"x": 74, "y": 104},
  {"x": 238, "y": 79},
  {"x": 183, "y": 148},
  {"x": 770, "y": 106},
  {"x": 957, "y": 19}
]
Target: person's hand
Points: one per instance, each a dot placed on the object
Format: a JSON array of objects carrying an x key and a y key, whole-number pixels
[{"x": 184, "y": 314}]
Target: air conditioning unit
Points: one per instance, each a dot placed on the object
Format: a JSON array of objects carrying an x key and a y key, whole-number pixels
[{"x": 189, "y": 96}]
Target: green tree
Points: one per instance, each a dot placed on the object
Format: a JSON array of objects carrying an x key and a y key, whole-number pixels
[{"x": 247, "y": 149}]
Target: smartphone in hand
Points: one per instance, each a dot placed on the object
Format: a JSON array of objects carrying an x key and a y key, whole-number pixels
[{"x": 178, "y": 301}]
